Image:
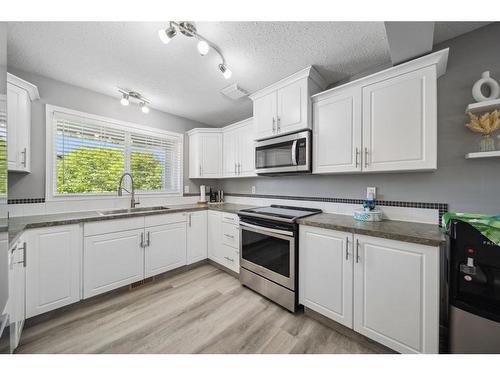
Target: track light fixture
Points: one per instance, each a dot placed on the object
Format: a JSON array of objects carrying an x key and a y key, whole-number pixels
[
  {"x": 204, "y": 45},
  {"x": 141, "y": 100}
]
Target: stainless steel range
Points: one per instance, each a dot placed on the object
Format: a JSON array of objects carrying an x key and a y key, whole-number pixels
[{"x": 269, "y": 251}]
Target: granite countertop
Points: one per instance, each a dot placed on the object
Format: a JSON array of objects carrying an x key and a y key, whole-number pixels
[
  {"x": 18, "y": 224},
  {"x": 419, "y": 233}
]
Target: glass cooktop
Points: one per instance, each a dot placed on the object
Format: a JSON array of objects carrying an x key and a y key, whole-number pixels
[{"x": 285, "y": 212}]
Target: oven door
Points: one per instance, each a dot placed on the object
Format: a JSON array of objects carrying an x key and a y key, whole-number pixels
[
  {"x": 286, "y": 154},
  {"x": 268, "y": 252}
]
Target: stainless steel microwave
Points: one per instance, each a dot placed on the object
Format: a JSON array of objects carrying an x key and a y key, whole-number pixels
[{"x": 287, "y": 154}]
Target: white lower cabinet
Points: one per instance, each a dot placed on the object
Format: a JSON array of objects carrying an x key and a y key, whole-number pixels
[
  {"x": 17, "y": 290},
  {"x": 326, "y": 273},
  {"x": 53, "y": 265},
  {"x": 224, "y": 239},
  {"x": 396, "y": 294},
  {"x": 196, "y": 236},
  {"x": 384, "y": 289},
  {"x": 112, "y": 260},
  {"x": 164, "y": 248}
]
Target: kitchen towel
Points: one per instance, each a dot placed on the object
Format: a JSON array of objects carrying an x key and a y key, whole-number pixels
[{"x": 488, "y": 225}]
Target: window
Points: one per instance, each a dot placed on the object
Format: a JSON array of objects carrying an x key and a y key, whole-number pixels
[{"x": 89, "y": 154}]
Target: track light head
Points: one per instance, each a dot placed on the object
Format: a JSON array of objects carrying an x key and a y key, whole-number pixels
[
  {"x": 167, "y": 34},
  {"x": 203, "y": 47},
  {"x": 124, "y": 100},
  {"x": 226, "y": 72},
  {"x": 144, "y": 107}
]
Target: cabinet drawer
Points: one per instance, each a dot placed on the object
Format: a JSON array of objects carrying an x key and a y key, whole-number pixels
[
  {"x": 152, "y": 220},
  {"x": 231, "y": 235},
  {"x": 230, "y": 218},
  {"x": 110, "y": 226},
  {"x": 230, "y": 258}
]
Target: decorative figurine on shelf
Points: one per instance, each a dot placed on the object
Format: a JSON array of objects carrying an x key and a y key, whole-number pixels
[
  {"x": 494, "y": 88},
  {"x": 485, "y": 125}
]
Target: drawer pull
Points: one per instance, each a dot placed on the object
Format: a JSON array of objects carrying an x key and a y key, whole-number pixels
[
  {"x": 230, "y": 259},
  {"x": 228, "y": 235}
]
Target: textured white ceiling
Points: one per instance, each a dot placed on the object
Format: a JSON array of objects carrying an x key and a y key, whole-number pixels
[{"x": 101, "y": 56}]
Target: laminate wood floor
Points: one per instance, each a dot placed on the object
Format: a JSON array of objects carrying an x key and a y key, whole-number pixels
[{"x": 203, "y": 310}]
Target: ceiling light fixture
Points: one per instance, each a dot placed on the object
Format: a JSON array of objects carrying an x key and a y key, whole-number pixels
[
  {"x": 204, "y": 46},
  {"x": 124, "y": 100},
  {"x": 127, "y": 95}
]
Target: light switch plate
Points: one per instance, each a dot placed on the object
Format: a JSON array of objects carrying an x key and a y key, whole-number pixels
[
  {"x": 253, "y": 189},
  {"x": 186, "y": 189},
  {"x": 371, "y": 189}
]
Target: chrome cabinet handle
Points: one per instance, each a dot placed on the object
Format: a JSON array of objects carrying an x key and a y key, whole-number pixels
[
  {"x": 279, "y": 124},
  {"x": 148, "y": 243},
  {"x": 357, "y": 251},
  {"x": 366, "y": 157},
  {"x": 235, "y": 168},
  {"x": 347, "y": 248},
  {"x": 189, "y": 215},
  {"x": 239, "y": 168},
  {"x": 357, "y": 157},
  {"x": 228, "y": 235},
  {"x": 200, "y": 170},
  {"x": 230, "y": 259},
  {"x": 274, "y": 125},
  {"x": 142, "y": 239},
  {"x": 24, "y": 157}
]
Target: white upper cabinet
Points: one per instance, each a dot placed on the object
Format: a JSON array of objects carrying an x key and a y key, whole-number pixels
[
  {"x": 205, "y": 153},
  {"x": 285, "y": 107},
  {"x": 337, "y": 132},
  {"x": 380, "y": 123},
  {"x": 20, "y": 94},
  {"x": 53, "y": 276},
  {"x": 239, "y": 151},
  {"x": 400, "y": 122}
]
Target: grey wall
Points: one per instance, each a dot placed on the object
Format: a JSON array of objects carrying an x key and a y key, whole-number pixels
[
  {"x": 466, "y": 185},
  {"x": 61, "y": 94}
]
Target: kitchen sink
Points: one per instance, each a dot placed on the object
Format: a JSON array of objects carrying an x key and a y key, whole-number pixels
[{"x": 125, "y": 211}]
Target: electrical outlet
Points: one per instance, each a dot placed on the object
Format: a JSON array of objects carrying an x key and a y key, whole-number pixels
[
  {"x": 371, "y": 190},
  {"x": 253, "y": 189},
  {"x": 186, "y": 189}
]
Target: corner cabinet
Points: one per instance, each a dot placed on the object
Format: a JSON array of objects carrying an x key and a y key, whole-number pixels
[
  {"x": 384, "y": 289},
  {"x": 285, "y": 107},
  {"x": 20, "y": 94},
  {"x": 380, "y": 123},
  {"x": 205, "y": 153},
  {"x": 196, "y": 236},
  {"x": 238, "y": 149}
]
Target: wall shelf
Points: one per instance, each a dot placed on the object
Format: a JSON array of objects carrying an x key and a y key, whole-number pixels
[
  {"x": 486, "y": 154},
  {"x": 485, "y": 106}
]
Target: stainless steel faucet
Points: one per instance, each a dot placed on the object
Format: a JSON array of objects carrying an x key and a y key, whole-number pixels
[{"x": 133, "y": 202}]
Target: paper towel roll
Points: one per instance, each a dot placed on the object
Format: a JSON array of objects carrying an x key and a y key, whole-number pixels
[{"x": 202, "y": 194}]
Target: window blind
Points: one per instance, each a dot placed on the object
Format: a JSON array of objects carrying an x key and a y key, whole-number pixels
[{"x": 91, "y": 156}]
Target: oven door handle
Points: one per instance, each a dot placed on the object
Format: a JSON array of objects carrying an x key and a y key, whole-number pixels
[
  {"x": 294, "y": 153},
  {"x": 265, "y": 229}
]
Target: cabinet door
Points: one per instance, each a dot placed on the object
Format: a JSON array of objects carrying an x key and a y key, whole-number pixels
[
  {"x": 246, "y": 148},
  {"x": 18, "y": 124},
  {"x": 400, "y": 123},
  {"x": 196, "y": 236},
  {"x": 337, "y": 132},
  {"x": 325, "y": 273},
  {"x": 292, "y": 110},
  {"x": 264, "y": 115},
  {"x": 214, "y": 236},
  {"x": 195, "y": 156},
  {"x": 230, "y": 152},
  {"x": 396, "y": 294},
  {"x": 17, "y": 291},
  {"x": 53, "y": 270},
  {"x": 211, "y": 155},
  {"x": 165, "y": 248},
  {"x": 112, "y": 260}
]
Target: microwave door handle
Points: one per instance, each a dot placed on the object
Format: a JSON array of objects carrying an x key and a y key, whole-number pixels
[{"x": 294, "y": 153}]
